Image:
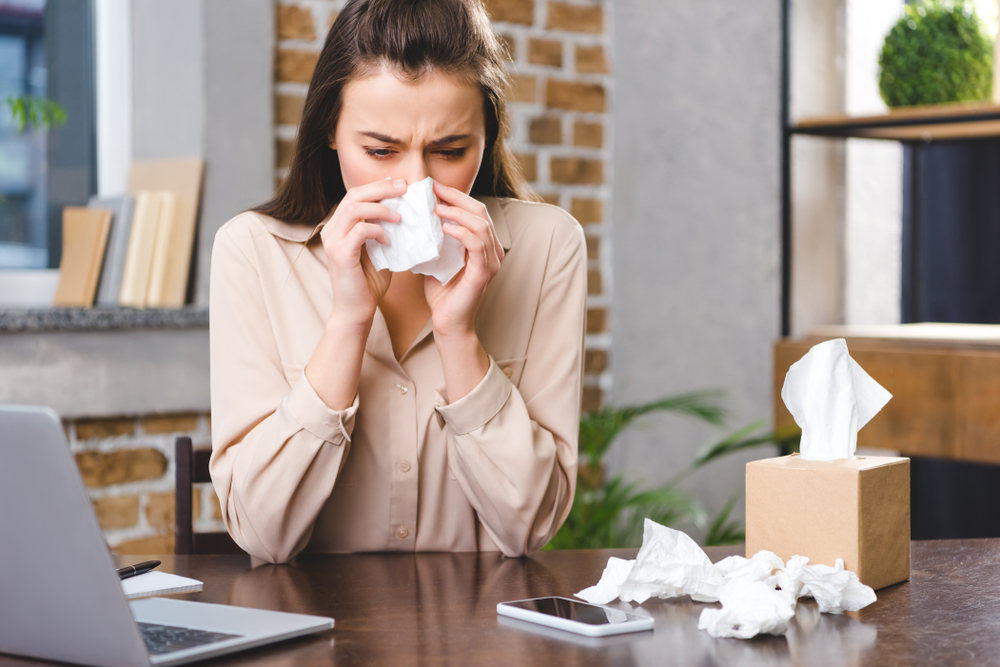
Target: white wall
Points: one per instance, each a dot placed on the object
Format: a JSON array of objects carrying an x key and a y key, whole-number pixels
[{"x": 696, "y": 229}]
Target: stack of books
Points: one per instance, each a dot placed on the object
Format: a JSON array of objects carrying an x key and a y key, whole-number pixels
[{"x": 133, "y": 250}]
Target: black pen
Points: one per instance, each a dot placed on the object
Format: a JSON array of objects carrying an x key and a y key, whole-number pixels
[{"x": 138, "y": 568}]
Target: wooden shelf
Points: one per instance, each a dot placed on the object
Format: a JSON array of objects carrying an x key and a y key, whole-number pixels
[{"x": 925, "y": 123}]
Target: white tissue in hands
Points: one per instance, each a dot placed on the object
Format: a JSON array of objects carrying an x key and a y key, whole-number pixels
[
  {"x": 416, "y": 242},
  {"x": 606, "y": 590},
  {"x": 749, "y": 608},
  {"x": 831, "y": 397},
  {"x": 670, "y": 564}
]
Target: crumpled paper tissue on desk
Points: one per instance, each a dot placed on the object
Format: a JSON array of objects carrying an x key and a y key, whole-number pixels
[
  {"x": 670, "y": 564},
  {"x": 416, "y": 242}
]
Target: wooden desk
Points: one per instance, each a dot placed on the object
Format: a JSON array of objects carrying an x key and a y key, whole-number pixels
[
  {"x": 440, "y": 609},
  {"x": 944, "y": 378}
]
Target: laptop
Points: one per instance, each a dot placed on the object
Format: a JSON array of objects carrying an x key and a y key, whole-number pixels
[{"x": 60, "y": 597}]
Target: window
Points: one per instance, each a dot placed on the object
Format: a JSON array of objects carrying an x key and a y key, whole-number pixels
[
  {"x": 23, "y": 215},
  {"x": 46, "y": 50}
]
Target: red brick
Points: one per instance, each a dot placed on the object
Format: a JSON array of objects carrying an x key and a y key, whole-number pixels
[
  {"x": 522, "y": 88},
  {"x": 90, "y": 429},
  {"x": 594, "y": 283},
  {"x": 157, "y": 545},
  {"x": 512, "y": 11},
  {"x": 117, "y": 511},
  {"x": 160, "y": 509},
  {"x": 550, "y": 197},
  {"x": 284, "y": 150},
  {"x": 510, "y": 46},
  {"x": 547, "y": 52},
  {"x": 597, "y": 320},
  {"x": 295, "y": 65},
  {"x": 595, "y": 361},
  {"x": 593, "y": 247},
  {"x": 593, "y": 399},
  {"x": 288, "y": 109},
  {"x": 587, "y": 211},
  {"x": 576, "y": 171},
  {"x": 545, "y": 130},
  {"x": 576, "y": 18},
  {"x": 529, "y": 165},
  {"x": 118, "y": 467},
  {"x": 591, "y": 60},
  {"x": 160, "y": 424},
  {"x": 588, "y": 97},
  {"x": 294, "y": 22},
  {"x": 587, "y": 134}
]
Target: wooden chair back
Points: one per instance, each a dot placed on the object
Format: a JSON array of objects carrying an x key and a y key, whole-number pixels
[{"x": 192, "y": 468}]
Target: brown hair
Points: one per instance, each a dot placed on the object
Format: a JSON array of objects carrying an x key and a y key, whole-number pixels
[{"x": 411, "y": 36}]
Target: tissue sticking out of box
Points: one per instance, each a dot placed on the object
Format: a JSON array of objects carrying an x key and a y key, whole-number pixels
[
  {"x": 831, "y": 398},
  {"x": 416, "y": 242},
  {"x": 758, "y": 594}
]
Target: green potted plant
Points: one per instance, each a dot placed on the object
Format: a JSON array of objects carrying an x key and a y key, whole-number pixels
[
  {"x": 938, "y": 52},
  {"x": 608, "y": 512}
]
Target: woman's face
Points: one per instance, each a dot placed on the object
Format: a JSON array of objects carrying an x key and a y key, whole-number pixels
[{"x": 391, "y": 128}]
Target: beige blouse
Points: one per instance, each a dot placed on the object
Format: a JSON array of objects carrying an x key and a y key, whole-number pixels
[{"x": 402, "y": 469}]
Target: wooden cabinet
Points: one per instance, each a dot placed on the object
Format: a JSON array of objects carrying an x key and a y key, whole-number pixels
[{"x": 944, "y": 378}]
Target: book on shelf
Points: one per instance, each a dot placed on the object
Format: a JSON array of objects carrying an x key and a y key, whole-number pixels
[
  {"x": 109, "y": 285},
  {"x": 141, "y": 247},
  {"x": 85, "y": 234},
  {"x": 167, "y": 287}
]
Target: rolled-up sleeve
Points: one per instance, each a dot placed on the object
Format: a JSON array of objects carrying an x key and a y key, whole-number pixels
[
  {"x": 513, "y": 449},
  {"x": 277, "y": 448}
]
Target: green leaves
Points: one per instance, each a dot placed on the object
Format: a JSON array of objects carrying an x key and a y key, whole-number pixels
[
  {"x": 609, "y": 513},
  {"x": 28, "y": 110},
  {"x": 936, "y": 53}
]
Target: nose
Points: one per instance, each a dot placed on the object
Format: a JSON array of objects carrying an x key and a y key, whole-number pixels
[{"x": 415, "y": 169}]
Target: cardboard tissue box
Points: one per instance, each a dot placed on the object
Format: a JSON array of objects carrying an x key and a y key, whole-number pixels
[
  {"x": 856, "y": 509},
  {"x": 826, "y": 503}
]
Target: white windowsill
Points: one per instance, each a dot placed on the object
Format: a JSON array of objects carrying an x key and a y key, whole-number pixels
[{"x": 28, "y": 288}]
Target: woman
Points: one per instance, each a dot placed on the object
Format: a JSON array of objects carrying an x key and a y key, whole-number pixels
[{"x": 355, "y": 410}]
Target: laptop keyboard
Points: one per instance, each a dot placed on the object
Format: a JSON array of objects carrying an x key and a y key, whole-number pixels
[{"x": 167, "y": 638}]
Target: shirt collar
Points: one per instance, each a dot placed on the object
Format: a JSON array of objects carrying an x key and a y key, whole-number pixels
[{"x": 299, "y": 233}]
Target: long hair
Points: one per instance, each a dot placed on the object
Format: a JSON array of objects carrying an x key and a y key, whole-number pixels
[{"x": 412, "y": 37}]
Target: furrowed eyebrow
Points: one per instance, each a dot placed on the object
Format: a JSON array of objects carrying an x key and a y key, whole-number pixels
[
  {"x": 384, "y": 138},
  {"x": 381, "y": 137},
  {"x": 450, "y": 139}
]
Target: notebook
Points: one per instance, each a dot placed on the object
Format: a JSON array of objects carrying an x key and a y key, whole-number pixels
[{"x": 158, "y": 583}]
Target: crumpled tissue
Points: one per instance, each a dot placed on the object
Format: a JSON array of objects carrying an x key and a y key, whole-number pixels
[
  {"x": 831, "y": 398},
  {"x": 416, "y": 242},
  {"x": 758, "y": 594},
  {"x": 749, "y": 608}
]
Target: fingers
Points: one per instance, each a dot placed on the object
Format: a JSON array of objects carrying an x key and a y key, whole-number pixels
[
  {"x": 456, "y": 200},
  {"x": 376, "y": 191},
  {"x": 482, "y": 263}
]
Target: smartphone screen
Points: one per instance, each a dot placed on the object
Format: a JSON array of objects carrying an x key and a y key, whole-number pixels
[{"x": 573, "y": 611}]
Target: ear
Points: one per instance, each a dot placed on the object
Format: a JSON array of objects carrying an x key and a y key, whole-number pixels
[{"x": 332, "y": 140}]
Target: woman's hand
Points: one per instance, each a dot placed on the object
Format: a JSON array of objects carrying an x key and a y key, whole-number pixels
[
  {"x": 454, "y": 306},
  {"x": 357, "y": 286}
]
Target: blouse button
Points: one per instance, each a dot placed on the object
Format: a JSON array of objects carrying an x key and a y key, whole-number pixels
[
  {"x": 402, "y": 532},
  {"x": 402, "y": 388},
  {"x": 404, "y": 466},
  {"x": 508, "y": 371}
]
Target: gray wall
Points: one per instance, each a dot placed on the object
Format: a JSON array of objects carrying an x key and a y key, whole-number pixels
[
  {"x": 203, "y": 85},
  {"x": 696, "y": 222}
]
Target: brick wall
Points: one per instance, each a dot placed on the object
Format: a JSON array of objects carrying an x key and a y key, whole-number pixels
[
  {"x": 561, "y": 100},
  {"x": 127, "y": 466}
]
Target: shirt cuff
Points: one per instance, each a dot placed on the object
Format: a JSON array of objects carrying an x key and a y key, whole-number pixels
[
  {"x": 310, "y": 412},
  {"x": 479, "y": 406}
]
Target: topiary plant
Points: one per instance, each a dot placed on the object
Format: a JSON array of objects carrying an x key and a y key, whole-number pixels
[{"x": 938, "y": 52}]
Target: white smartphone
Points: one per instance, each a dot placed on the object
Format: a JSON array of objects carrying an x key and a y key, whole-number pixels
[{"x": 573, "y": 616}]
